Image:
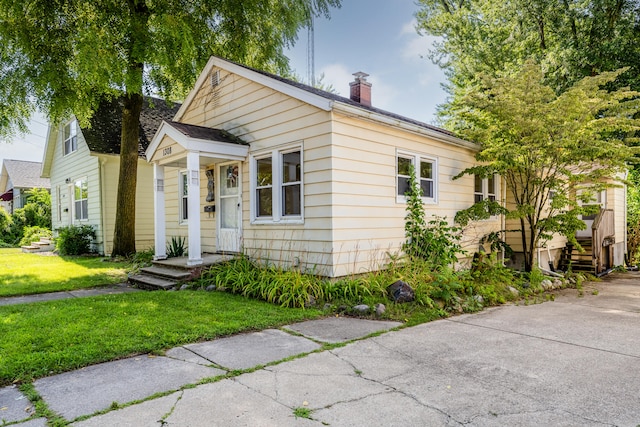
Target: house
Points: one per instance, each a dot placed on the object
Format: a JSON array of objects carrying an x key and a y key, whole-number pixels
[
  {"x": 293, "y": 175},
  {"x": 17, "y": 177},
  {"x": 83, "y": 164}
]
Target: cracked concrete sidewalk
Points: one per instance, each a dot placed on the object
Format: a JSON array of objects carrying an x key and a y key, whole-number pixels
[{"x": 569, "y": 362}]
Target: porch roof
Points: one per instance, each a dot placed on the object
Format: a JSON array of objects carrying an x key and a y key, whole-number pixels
[{"x": 212, "y": 144}]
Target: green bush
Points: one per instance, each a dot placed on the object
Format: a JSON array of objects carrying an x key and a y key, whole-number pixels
[
  {"x": 5, "y": 227},
  {"x": 434, "y": 241},
  {"x": 33, "y": 234},
  {"x": 75, "y": 240},
  {"x": 177, "y": 247}
]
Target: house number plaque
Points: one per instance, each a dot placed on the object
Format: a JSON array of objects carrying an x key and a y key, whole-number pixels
[{"x": 166, "y": 151}]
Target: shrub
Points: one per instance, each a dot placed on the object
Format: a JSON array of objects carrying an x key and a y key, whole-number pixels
[
  {"x": 435, "y": 241},
  {"x": 177, "y": 247},
  {"x": 288, "y": 288},
  {"x": 5, "y": 227},
  {"x": 33, "y": 234},
  {"x": 75, "y": 240}
]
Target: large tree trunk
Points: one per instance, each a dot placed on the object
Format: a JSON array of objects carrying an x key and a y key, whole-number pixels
[{"x": 124, "y": 236}]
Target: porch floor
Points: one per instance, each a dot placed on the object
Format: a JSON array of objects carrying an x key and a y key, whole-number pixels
[{"x": 207, "y": 260}]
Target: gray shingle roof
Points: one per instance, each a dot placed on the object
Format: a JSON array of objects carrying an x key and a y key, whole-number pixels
[
  {"x": 104, "y": 134},
  {"x": 201, "y": 132},
  {"x": 25, "y": 174}
]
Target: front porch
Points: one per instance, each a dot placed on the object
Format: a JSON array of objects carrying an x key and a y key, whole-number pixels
[{"x": 200, "y": 154}]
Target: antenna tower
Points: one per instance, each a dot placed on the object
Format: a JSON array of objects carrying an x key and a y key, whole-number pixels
[{"x": 311, "y": 74}]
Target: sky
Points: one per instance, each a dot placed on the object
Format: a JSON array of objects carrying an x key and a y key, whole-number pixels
[{"x": 377, "y": 37}]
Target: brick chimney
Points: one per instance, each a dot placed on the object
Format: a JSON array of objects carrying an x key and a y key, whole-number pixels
[{"x": 361, "y": 89}]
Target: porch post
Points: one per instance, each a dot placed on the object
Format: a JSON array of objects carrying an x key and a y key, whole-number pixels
[
  {"x": 158, "y": 213},
  {"x": 193, "y": 208}
]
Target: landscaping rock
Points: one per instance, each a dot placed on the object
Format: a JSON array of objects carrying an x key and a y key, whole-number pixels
[
  {"x": 362, "y": 309},
  {"x": 546, "y": 284},
  {"x": 401, "y": 292},
  {"x": 310, "y": 302},
  {"x": 380, "y": 309},
  {"x": 327, "y": 307},
  {"x": 514, "y": 291},
  {"x": 211, "y": 288},
  {"x": 479, "y": 298},
  {"x": 557, "y": 284},
  {"x": 184, "y": 287}
]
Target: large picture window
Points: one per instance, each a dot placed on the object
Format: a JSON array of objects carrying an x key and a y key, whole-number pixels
[
  {"x": 276, "y": 181},
  {"x": 426, "y": 173},
  {"x": 80, "y": 200},
  {"x": 70, "y": 137}
]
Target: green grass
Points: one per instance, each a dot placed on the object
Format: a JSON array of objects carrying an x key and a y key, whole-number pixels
[
  {"x": 26, "y": 274},
  {"x": 50, "y": 337}
]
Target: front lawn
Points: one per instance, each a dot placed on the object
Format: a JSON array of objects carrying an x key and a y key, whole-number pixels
[
  {"x": 45, "y": 338},
  {"x": 25, "y": 274}
]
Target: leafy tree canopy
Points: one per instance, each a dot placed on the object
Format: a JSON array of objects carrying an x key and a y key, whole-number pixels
[
  {"x": 572, "y": 39},
  {"x": 552, "y": 150},
  {"x": 64, "y": 57}
]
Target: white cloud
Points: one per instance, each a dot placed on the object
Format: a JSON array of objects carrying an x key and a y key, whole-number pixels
[
  {"x": 414, "y": 46},
  {"x": 338, "y": 76}
]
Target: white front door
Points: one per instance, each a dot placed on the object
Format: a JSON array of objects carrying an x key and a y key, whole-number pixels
[{"x": 229, "y": 211}]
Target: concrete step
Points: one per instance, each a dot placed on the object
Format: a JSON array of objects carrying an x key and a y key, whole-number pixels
[
  {"x": 149, "y": 282},
  {"x": 167, "y": 273}
]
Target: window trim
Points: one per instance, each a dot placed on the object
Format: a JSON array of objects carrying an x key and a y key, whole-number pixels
[
  {"x": 416, "y": 159},
  {"x": 73, "y": 137},
  {"x": 484, "y": 193},
  {"x": 277, "y": 199},
  {"x": 75, "y": 200},
  {"x": 182, "y": 218}
]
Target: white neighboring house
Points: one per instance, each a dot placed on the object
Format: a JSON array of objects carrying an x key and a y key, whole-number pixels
[
  {"x": 83, "y": 165},
  {"x": 16, "y": 178}
]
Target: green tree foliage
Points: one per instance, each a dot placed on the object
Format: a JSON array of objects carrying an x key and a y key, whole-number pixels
[
  {"x": 35, "y": 213},
  {"x": 633, "y": 217},
  {"x": 553, "y": 151},
  {"x": 65, "y": 57},
  {"x": 572, "y": 39},
  {"x": 436, "y": 242}
]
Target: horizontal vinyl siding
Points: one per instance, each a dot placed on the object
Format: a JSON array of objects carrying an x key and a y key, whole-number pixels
[
  {"x": 368, "y": 220},
  {"x": 266, "y": 118},
  {"x": 72, "y": 167}
]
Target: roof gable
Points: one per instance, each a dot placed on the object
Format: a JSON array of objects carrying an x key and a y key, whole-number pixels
[
  {"x": 321, "y": 99},
  {"x": 23, "y": 174}
]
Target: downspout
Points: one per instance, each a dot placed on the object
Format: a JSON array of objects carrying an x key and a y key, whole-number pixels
[
  {"x": 625, "y": 249},
  {"x": 101, "y": 162},
  {"x": 503, "y": 217}
]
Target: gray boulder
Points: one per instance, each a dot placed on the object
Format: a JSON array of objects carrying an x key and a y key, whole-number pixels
[{"x": 401, "y": 292}]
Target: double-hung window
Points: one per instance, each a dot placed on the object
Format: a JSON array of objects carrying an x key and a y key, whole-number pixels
[
  {"x": 70, "y": 137},
  {"x": 183, "y": 190},
  {"x": 276, "y": 185},
  {"x": 426, "y": 169},
  {"x": 484, "y": 188},
  {"x": 80, "y": 200}
]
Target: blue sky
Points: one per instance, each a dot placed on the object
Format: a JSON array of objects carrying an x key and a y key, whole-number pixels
[{"x": 377, "y": 37}]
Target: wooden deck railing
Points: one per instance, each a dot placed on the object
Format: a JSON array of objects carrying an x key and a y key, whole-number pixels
[{"x": 603, "y": 228}]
